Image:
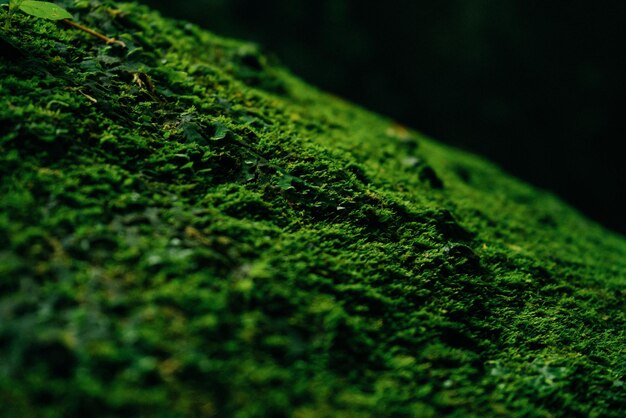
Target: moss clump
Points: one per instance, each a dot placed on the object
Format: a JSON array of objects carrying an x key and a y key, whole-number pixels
[{"x": 188, "y": 230}]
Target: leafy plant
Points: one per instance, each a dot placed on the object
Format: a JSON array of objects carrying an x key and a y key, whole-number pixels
[
  {"x": 51, "y": 11},
  {"x": 42, "y": 9}
]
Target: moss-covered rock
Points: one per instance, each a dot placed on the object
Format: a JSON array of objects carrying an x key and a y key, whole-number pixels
[{"x": 189, "y": 231}]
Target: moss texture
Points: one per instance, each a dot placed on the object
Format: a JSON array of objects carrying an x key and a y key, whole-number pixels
[{"x": 189, "y": 231}]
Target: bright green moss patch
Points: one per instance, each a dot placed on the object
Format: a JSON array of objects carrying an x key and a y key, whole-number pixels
[{"x": 188, "y": 230}]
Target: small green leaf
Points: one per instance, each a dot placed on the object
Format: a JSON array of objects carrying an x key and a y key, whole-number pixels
[
  {"x": 284, "y": 182},
  {"x": 220, "y": 132},
  {"x": 188, "y": 165},
  {"x": 44, "y": 10}
]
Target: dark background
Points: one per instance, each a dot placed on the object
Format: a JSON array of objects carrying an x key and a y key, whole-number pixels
[{"x": 536, "y": 86}]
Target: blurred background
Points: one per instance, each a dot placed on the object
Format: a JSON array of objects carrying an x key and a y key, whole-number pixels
[{"x": 536, "y": 86}]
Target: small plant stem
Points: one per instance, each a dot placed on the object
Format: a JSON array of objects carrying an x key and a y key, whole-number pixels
[
  {"x": 7, "y": 22},
  {"x": 94, "y": 33}
]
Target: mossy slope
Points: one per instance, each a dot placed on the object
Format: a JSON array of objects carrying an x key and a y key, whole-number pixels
[{"x": 188, "y": 230}]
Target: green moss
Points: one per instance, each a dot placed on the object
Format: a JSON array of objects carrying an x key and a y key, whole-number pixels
[{"x": 188, "y": 230}]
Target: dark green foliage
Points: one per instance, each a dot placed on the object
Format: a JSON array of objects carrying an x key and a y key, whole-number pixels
[{"x": 190, "y": 231}]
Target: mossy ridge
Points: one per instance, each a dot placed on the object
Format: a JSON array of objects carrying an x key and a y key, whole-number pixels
[{"x": 193, "y": 232}]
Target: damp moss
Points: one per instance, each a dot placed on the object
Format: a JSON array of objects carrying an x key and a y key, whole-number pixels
[{"x": 188, "y": 230}]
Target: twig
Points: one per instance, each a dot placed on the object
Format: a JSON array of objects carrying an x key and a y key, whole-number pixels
[
  {"x": 91, "y": 99},
  {"x": 94, "y": 33}
]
